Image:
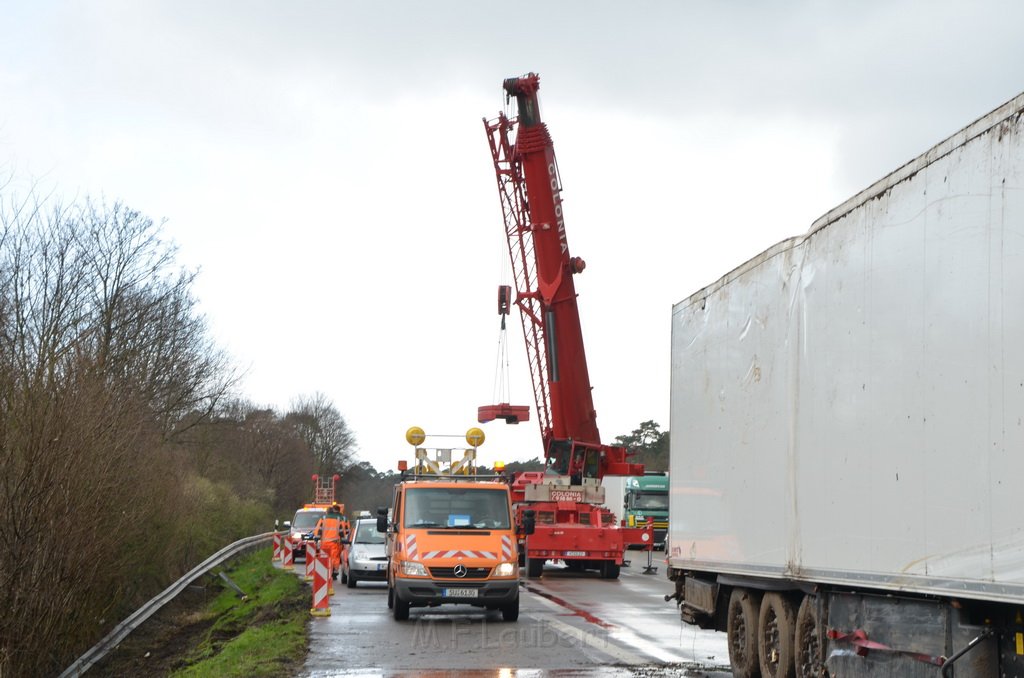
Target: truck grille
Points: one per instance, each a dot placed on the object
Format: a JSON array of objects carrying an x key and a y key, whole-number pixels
[{"x": 449, "y": 573}]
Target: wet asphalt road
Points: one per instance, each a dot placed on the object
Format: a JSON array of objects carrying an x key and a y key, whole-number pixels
[{"x": 570, "y": 624}]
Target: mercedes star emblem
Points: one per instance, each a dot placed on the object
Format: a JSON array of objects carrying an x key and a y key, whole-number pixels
[{"x": 460, "y": 570}]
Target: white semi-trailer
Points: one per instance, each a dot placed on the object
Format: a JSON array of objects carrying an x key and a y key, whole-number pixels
[{"x": 847, "y": 417}]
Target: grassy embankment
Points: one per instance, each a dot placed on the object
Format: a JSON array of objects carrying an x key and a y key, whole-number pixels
[{"x": 262, "y": 635}]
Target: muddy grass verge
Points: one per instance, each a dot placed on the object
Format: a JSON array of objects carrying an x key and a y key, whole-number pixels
[{"x": 209, "y": 630}]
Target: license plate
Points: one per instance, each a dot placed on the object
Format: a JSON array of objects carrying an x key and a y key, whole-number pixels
[
  {"x": 380, "y": 566},
  {"x": 576, "y": 553},
  {"x": 459, "y": 593}
]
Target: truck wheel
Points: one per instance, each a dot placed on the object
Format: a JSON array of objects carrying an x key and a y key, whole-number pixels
[
  {"x": 741, "y": 628},
  {"x": 609, "y": 570},
  {"x": 534, "y": 567},
  {"x": 401, "y": 609},
  {"x": 808, "y": 640},
  {"x": 391, "y": 598},
  {"x": 510, "y": 612},
  {"x": 351, "y": 580},
  {"x": 776, "y": 625}
]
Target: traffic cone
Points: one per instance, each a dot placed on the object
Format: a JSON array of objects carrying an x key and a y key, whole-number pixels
[
  {"x": 277, "y": 547},
  {"x": 321, "y": 586},
  {"x": 310, "y": 560},
  {"x": 287, "y": 563}
]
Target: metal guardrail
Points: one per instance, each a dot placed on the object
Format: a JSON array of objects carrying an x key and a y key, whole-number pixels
[{"x": 119, "y": 632}]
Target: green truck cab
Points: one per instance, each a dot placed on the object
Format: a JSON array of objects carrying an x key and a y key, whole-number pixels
[{"x": 647, "y": 497}]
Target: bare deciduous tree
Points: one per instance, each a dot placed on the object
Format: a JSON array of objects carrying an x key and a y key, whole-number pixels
[
  {"x": 100, "y": 351},
  {"x": 331, "y": 442}
]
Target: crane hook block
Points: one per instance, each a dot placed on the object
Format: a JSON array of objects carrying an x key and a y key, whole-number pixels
[{"x": 504, "y": 299}]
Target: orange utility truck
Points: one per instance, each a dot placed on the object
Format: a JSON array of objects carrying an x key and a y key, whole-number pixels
[{"x": 451, "y": 535}]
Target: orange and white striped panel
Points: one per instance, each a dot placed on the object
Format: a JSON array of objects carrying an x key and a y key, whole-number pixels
[
  {"x": 489, "y": 555},
  {"x": 410, "y": 545},
  {"x": 321, "y": 582}
]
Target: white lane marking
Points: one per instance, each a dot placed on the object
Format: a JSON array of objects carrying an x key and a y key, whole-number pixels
[
  {"x": 596, "y": 642},
  {"x": 647, "y": 647}
]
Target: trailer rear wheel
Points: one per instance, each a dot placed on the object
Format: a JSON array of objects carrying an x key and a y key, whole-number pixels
[
  {"x": 741, "y": 627},
  {"x": 776, "y": 625},
  {"x": 534, "y": 567},
  {"x": 808, "y": 640},
  {"x": 610, "y": 569}
]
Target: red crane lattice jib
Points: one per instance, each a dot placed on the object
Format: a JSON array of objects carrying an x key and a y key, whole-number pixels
[{"x": 511, "y": 191}]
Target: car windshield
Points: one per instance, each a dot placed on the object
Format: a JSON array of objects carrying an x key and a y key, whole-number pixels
[
  {"x": 307, "y": 519},
  {"x": 457, "y": 507},
  {"x": 366, "y": 533}
]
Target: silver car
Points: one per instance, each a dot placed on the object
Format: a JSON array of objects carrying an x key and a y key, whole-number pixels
[{"x": 364, "y": 558}]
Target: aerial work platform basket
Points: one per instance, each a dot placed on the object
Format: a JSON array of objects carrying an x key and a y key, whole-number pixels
[{"x": 323, "y": 489}]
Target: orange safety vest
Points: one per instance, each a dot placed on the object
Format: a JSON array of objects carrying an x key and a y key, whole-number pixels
[{"x": 329, "y": 529}]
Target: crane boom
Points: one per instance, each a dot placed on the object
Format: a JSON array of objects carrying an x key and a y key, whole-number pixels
[{"x": 530, "y": 190}]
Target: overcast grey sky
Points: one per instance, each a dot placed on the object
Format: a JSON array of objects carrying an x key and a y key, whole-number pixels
[{"x": 324, "y": 165}]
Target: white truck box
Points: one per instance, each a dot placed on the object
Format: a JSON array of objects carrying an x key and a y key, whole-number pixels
[
  {"x": 847, "y": 408},
  {"x": 856, "y": 395},
  {"x": 615, "y": 495}
]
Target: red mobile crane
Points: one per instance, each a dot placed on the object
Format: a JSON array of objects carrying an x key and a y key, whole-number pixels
[{"x": 571, "y": 524}]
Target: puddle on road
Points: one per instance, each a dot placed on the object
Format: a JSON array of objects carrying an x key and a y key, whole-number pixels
[{"x": 671, "y": 671}]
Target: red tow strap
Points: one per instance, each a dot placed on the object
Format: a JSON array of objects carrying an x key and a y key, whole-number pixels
[{"x": 859, "y": 639}]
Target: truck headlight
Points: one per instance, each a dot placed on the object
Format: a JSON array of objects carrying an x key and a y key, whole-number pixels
[
  {"x": 505, "y": 570},
  {"x": 413, "y": 569}
]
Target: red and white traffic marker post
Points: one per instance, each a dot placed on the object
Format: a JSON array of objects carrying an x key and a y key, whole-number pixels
[
  {"x": 277, "y": 547},
  {"x": 648, "y": 537},
  {"x": 321, "y": 585},
  {"x": 287, "y": 563},
  {"x": 310, "y": 560}
]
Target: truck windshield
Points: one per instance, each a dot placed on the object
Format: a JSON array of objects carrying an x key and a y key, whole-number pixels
[
  {"x": 651, "y": 502},
  {"x": 460, "y": 507},
  {"x": 307, "y": 519}
]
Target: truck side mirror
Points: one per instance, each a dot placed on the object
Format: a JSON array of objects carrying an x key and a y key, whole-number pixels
[
  {"x": 529, "y": 521},
  {"x": 287, "y": 524},
  {"x": 382, "y": 520}
]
